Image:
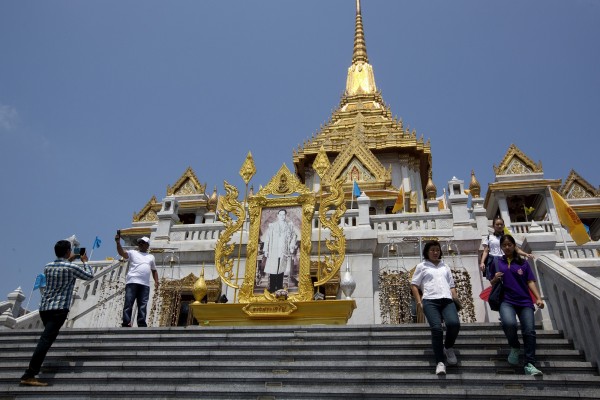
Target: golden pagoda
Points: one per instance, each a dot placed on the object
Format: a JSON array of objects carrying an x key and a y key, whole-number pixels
[{"x": 364, "y": 142}]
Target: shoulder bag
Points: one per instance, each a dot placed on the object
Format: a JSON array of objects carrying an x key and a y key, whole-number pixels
[{"x": 497, "y": 292}]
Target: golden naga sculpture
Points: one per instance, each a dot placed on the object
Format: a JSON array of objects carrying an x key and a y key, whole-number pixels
[
  {"x": 287, "y": 204},
  {"x": 337, "y": 245},
  {"x": 227, "y": 205}
]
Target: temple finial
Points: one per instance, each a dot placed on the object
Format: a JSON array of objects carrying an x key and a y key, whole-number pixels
[{"x": 360, "y": 47}]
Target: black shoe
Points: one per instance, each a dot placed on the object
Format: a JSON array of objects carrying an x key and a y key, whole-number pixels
[{"x": 32, "y": 382}]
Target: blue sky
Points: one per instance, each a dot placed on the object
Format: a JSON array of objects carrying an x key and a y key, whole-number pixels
[{"x": 104, "y": 104}]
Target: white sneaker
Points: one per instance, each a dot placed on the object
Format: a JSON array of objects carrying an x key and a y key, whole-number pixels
[
  {"x": 450, "y": 356},
  {"x": 440, "y": 369}
]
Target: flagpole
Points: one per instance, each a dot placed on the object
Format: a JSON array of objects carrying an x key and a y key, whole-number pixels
[
  {"x": 29, "y": 298},
  {"x": 561, "y": 228}
]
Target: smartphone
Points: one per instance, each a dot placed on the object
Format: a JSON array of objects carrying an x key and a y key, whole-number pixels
[
  {"x": 118, "y": 233},
  {"x": 81, "y": 251},
  {"x": 77, "y": 252}
]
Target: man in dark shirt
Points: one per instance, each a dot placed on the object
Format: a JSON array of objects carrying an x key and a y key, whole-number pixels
[{"x": 55, "y": 304}]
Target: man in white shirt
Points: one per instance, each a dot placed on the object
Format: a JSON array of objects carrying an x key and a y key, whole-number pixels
[{"x": 137, "y": 286}]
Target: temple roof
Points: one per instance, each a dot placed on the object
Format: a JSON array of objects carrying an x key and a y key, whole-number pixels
[
  {"x": 362, "y": 113},
  {"x": 187, "y": 184},
  {"x": 515, "y": 162},
  {"x": 575, "y": 187}
]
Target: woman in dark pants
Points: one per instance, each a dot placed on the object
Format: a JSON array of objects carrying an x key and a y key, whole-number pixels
[
  {"x": 518, "y": 281},
  {"x": 434, "y": 278}
]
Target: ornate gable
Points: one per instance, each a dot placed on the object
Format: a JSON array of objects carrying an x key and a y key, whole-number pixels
[
  {"x": 148, "y": 213},
  {"x": 575, "y": 187},
  {"x": 283, "y": 183},
  {"x": 186, "y": 185},
  {"x": 516, "y": 162},
  {"x": 357, "y": 162}
]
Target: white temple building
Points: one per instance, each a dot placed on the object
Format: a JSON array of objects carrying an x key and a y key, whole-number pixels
[{"x": 366, "y": 145}]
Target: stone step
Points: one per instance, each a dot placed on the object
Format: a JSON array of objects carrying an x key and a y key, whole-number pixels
[
  {"x": 543, "y": 354},
  {"x": 10, "y": 369},
  {"x": 269, "y": 363},
  {"x": 275, "y": 390}
]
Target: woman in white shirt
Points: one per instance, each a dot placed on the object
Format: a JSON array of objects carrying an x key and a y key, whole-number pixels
[
  {"x": 434, "y": 278},
  {"x": 492, "y": 249}
]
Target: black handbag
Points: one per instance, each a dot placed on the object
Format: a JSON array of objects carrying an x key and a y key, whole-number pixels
[
  {"x": 496, "y": 296},
  {"x": 497, "y": 290}
]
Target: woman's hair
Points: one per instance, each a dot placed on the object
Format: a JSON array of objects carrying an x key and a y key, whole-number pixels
[
  {"x": 428, "y": 245},
  {"x": 515, "y": 256},
  {"x": 496, "y": 219}
]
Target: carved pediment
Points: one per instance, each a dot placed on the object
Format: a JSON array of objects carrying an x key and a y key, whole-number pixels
[
  {"x": 186, "y": 185},
  {"x": 148, "y": 213},
  {"x": 283, "y": 183},
  {"x": 515, "y": 162},
  {"x": 357, "y": 163},
  {"x": 575, "y": 187}
]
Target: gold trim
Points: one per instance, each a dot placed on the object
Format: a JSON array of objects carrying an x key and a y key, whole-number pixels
[
  {"x": 228, "y": 204},
  {"x": 148, "y": 212},
  {"x": 516, "y": 162},
  {"x": 331, "y": 220},
  {"x": 576, "y": 187},
  {"x": 358, "y": 149},
  {"x": 321, "y": 164},
  {"x": 329, "y": 312},
  {"x": 187, "y": 184},
  {"x": 248, "y": 168},
  {"x": 284, "y": 183}
]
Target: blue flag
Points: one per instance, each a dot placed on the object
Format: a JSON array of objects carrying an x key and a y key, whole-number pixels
[
  {"x": 40, "y": 281},
  {"x": 97, "y": 243},
  {"x": 356, "y": 190}
]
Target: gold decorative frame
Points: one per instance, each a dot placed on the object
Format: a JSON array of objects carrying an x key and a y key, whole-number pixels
[
  {"x": 284, "y": 191},
  {"x": 287, "y": 192}
]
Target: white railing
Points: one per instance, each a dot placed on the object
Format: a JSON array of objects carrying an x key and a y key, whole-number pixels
[
  {"x": 579, "y": 252},
  {"x": 573, "y": 303},
  {"x": 30, "y": 320},
  {"x": 411, "y": 222},
  {"x": 349, "y": 219},
  {"x": 210, "y": 231},
  {"x": 523, "y": 227}
]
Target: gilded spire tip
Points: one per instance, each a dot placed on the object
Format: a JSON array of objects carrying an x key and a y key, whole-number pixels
[{"x": 360, "y": 47}]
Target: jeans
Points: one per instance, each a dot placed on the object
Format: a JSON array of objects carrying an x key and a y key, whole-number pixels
[
  {"x": 53, "y": 320},
  {"x": 140, "y": 294},
  {"x": 508, "y": 317},
  {"x": 435, "y": 311}
]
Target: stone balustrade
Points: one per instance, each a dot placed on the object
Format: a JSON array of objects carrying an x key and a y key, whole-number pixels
[{"x": 573, "y": 303}]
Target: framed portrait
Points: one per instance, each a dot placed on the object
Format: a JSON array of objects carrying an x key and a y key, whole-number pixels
[
  {"x": 279, "y": 243},
  {"x": 278, "y": 259}
]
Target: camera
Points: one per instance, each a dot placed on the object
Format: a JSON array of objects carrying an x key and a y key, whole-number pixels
[{"x": 79, "y": 251}]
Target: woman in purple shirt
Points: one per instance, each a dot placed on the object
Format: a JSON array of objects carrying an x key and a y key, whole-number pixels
[{"x": 518, "y": 280}]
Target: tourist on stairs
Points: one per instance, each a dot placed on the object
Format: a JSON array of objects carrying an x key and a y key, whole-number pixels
[
  {"x": 434, "y": 278},
  {"x": 519, "y": 286},
  {"x": 137, "y": 285},
  {"x": 56, "y": 302}
]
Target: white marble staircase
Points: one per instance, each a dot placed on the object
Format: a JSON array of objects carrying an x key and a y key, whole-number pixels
[{"x": 282, "y": 362}]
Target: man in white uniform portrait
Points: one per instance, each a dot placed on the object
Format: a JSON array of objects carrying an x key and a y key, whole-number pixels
[{"x": 280, "y": 243}]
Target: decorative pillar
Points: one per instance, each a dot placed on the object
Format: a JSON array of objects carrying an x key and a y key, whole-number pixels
[
  {"x": 363, "y": 209},
  {"x": 16, "y": 298},
  {"x": 458, "y": 202},
  {"x": 167, "y": 216}
]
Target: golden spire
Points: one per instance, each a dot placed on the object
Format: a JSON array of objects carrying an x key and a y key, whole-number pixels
[
  {"x": 361, "y": 79},
  {"x": 430, "y": 189},
  {"x": 360, "y": 47},
  {"x": 474, "y": 185}
]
